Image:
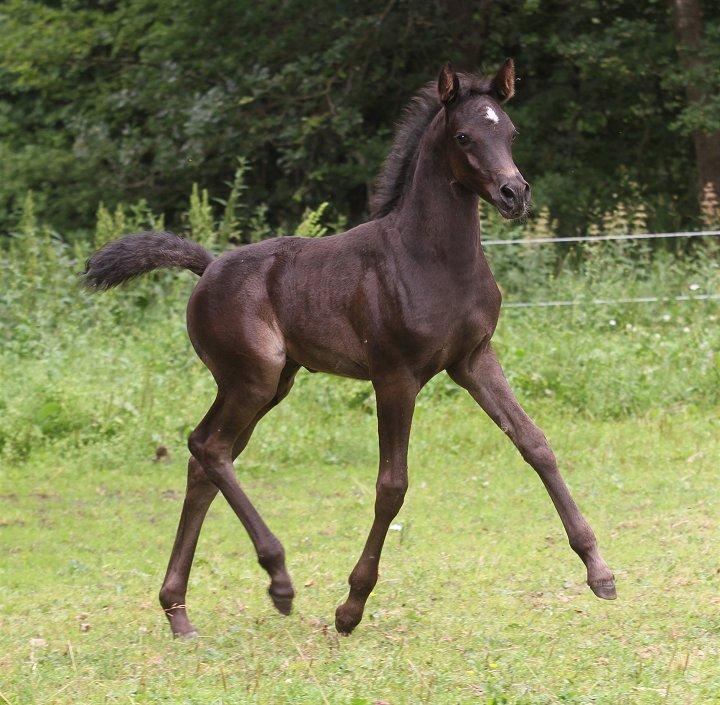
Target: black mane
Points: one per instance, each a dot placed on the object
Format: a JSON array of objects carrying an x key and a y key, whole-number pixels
[{"x": 399, "y": 167}]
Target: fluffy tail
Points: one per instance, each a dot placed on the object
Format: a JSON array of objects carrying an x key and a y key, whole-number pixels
[{"x": 133, "y": 255}]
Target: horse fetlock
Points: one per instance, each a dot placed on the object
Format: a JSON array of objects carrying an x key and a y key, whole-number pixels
[
  {"x": 173, "y": 604},
  {"x": 584, "y": 543},
  {"x": 171, "y": 599},
  {"x": 271, "y": 556}
]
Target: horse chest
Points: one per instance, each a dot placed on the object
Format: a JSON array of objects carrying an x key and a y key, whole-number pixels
[{"x": 445, "y": 319}]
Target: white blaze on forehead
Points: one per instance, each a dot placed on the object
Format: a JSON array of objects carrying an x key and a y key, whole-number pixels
[{"x": 491, "y": 115}]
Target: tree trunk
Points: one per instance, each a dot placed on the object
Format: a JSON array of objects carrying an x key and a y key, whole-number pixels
[{"x": 688, "y": 31}]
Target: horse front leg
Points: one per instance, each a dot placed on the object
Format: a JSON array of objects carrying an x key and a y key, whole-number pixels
[
  {"x": 482, "y": 376},
  {"x": 395, "y": 400}
]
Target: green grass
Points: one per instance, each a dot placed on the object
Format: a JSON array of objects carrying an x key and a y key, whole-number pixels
[{"x": 480, "y": 599}]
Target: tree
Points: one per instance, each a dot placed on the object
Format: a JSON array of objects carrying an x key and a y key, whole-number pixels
[
  {"x": 690, "y": 43},
  {"x": 127, "y": 99}
]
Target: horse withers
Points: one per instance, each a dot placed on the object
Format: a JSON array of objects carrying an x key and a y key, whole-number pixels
[{"x": 394, "y": 301}]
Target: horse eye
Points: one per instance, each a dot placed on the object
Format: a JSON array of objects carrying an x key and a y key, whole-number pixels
[{"x": 462, "y": 138}]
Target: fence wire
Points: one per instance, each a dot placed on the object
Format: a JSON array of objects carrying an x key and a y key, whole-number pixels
[
  {"x": 602, "y": 238},
  {"x": 607, "y": 238},
  {"x": 609, "y": 302}
]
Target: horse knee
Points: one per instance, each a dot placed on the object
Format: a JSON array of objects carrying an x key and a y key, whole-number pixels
[
  {"x": 196, "y": 445},
  {"x": 536, "y": 451},
  {"x": 390, "y": 495}
]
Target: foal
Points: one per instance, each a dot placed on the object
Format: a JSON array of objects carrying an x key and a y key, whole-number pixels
[{"x": 395, "y": 301}]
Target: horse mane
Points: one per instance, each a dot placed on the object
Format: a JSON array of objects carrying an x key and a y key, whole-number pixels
[{"x": 399, "y": 167}]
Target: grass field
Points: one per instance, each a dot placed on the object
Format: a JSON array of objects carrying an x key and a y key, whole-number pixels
[{"x": 480, "y": 599}]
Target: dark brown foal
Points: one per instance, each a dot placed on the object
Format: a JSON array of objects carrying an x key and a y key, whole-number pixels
[{"x": 395, "y": 301}]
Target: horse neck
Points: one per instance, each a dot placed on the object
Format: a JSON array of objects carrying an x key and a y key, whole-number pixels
[{"x": 438, "y": 216}]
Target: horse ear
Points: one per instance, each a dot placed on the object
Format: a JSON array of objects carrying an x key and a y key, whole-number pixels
[
  {"x": 448, "y": 84},
  {"x": 503, "y": 85}
]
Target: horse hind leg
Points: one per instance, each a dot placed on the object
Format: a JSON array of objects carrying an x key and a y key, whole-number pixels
[
  {"x": 213, "y": 444},
  {"x": 200, "y": 493}
]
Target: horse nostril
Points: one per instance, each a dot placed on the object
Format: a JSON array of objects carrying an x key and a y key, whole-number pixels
[{"x": 508, "y": 194}]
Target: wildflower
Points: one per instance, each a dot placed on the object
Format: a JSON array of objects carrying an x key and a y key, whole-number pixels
[
  {"x": 612, "y": 322},
  {"x": 694, "y": 287}
]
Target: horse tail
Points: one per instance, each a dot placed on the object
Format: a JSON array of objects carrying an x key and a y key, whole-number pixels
[{"x": 133, "y": 255}]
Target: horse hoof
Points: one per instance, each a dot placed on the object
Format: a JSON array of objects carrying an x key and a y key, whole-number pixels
[
  {"x": 192, "y": 634},
  {"x": 604, "y": 589},
  {"x": 343, "y": 628},
  {"x": 345, "y": 622},
  {"x": 180, "y": 625},
  {"x": 283, "y": 605},
  {"x": 282, "y": 602}
]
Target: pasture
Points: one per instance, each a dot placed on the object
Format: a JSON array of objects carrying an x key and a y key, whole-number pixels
[
  {"x": 232, "y": 123},
  {"x": 480, "y": 600}
]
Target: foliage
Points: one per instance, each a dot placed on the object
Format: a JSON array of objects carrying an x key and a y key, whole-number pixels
[
  {"x": 311, "y": 224},
  {"x": 710, "y": 208},
  {"x": 116, "y": 101}
]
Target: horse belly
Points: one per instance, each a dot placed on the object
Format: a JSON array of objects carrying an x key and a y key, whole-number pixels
[
  {"x": 327, "y": 344},
  {"x": 325, "y": 359}
]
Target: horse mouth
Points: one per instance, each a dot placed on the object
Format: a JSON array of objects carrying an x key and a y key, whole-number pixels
[{"x": 512, "y": 213}]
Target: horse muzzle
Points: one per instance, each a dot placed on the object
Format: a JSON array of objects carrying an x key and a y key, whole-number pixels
[{"x": 513, "y": 197}]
